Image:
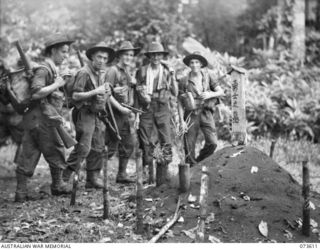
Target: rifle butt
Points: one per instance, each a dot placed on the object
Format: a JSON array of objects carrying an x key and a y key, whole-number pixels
[{"x": 66, "y": 138}]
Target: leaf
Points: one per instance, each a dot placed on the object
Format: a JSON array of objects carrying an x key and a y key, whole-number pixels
[
  {"x": 181, "y": 219},
  {"x": 192, "y": 198},
  {"x": 148, "y": 199},
  {"x": 210, "y": 218},
  {"x": 263, "y": 228},
  {"x": 191, "y": 235},
  {"x": 213, "y": 239},
  {"x": 288, "y": 234},
  {"x": 236, "y": 154},
  {"x": 194, "y": 206},
  {"x": 312, "y": 206},
  {"x": 313, "y": 223},
  {"x": 254, "y": 169},
  {"x": 105, "y": 240}
]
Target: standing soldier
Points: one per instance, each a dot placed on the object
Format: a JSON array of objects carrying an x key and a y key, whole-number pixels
[
  {"x": 154, "y": 84},
  {"x": 90, "y": 95},
  {"x": 197, "y": 99},
  {"x": 40, "y": 136},
  {"x": 122, "y": 84}
]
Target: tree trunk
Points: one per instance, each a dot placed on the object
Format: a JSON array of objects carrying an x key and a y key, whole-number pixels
[
  {"x": 298, "y": 47},
  {"x": 317, "y": 25}
]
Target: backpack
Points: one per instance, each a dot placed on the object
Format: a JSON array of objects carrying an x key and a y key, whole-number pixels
[{"x": 20, "y": 92}]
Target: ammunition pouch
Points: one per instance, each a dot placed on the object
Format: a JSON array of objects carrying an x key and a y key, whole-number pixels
[{"x": 98, "y": 103}]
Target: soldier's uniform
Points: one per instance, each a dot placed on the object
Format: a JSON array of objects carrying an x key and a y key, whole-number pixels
[
  {"x": 157, "y": 112},
  {"x": 119, "y": 77},
  {"x": 123, "y": 91},
  {"x": 202, "y": 116},
  {"x": 90, "y": 130},
  {"x": 40, "y": 136}
]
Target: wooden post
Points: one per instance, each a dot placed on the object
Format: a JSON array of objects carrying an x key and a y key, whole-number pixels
[
  {"x": 184, "y": 177},
  {"x": 162, "y": 172},
  {"x": 273, "y": 144},
  {"x": 306, "y": 196},
  {"x": 239, "y": 122},
  {"x": 105, "y": 185},
  {"x": 151, "y": 173},
  {"x": 139, "y": 207},
  {"x": 203, "y": 200}
]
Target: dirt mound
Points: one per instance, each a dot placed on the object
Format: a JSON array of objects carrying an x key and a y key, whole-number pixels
[{"x": 246, "y": 187}]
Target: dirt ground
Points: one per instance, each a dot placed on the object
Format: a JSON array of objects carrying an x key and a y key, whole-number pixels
[{"x": 240, "y": 197}]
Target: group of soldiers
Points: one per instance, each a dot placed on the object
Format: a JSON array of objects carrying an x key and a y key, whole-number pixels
[{"x": 97, "y": 90}]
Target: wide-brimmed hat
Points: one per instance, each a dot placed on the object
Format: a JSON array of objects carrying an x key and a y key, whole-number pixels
[
  {"x": 155, "y": 47},
  {"x": 127, "y": 46},
  {"x": 56, "y": 39},
  {"x": 195, "y": 55},
  {"x": 102, "y": 46}
]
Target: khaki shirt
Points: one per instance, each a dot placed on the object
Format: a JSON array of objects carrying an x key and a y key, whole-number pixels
[
  {"x": 117, "y": 76},
  {"x": 185, "y": 85},
  {"x": 83, "y": 83}
]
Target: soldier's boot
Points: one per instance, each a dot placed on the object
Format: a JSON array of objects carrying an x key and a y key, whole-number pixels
[
  {"x": 21, "y": 191},
  {"x": 122, "y": 176},
  {"x": 67, "y": 174},
  {"x": 94, "y": 180},
  {"x": 58, "y": 186}
]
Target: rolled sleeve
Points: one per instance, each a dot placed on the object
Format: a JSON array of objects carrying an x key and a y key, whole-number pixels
[
  {"x": 213, "y": 83},
  {"x": 81, "y": 81},
  {"x": 39, "y": 80},
  {"x": 111, "y": 76}
]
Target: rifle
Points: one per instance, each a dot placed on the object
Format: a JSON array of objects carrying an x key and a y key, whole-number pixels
[
  {"x": 104, "y": 118},
  {"x": 80, "y": 58},
  {"x": 134, "y": 110},
  {"x": 24, "y": 59},
  {"x": 55, "y": 120}
]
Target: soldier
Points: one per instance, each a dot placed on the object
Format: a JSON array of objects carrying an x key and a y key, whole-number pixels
[
  {"x": 90, "y": 93},
  {"x": 39, "y": 134},
  {"x": 122, "y": 84},
  {"x": 197, "y": 98},
  {"x": 154, "y": 83}
]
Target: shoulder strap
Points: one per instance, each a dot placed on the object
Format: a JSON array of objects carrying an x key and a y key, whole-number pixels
[{"x": 92, "y": 78}]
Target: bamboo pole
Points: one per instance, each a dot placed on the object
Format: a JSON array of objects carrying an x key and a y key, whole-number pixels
[
  {"x": 306, "y": 196},
  {"x": 203, "y": 200},
  {"x": 169, "y": 224},
  {"x": 273, "y": 144},
  {"x": 139, "y": 207},
  {"x": 105, "y": 186},
  {"x": 184, "y": 177}
]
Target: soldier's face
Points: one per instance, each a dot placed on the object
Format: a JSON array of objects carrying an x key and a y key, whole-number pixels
[
  {"x": 126, "y": 58},
  {"x": 155, "y": 58},
  {"x": 195, "y": 65},
  {"x": 59, "y": 54},
  {"x": 99, "y": 59}
]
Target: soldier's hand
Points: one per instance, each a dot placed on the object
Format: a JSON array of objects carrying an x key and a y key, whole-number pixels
[
  {"x": 60, "y": 81},
  {"x": 205, "y": 95},
  {"x": 101, "y": 90}
]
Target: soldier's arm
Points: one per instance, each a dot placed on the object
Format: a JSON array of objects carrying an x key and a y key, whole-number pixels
[
  {"x": 79, "y": 93},
  {"x": 39, "y": 89},
  {"x": 215, "y": 89}
]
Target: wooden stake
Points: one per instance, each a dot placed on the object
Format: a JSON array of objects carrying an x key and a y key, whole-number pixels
[
  {"x": 169, "y": 224},
  {"x": 162, "y": 169},
  {"x": 151, "y": 173},
  {"x": 75, "y": 182},
  {"x": 105, "y": 186},
  {"x": 273, "y": 144},
  {"x": 203, "y": 200},
  {"x": 184, "y": 177},
  {"x": 139, "y": 208},
  {"x": 306, "y": 196}
]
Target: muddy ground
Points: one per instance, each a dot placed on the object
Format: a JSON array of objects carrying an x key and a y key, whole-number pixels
[{"x": 246, "y": 187}]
